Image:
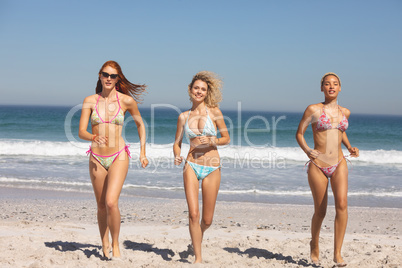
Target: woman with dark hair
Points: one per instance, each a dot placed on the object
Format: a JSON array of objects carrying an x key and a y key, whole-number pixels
[
  {"x": 327, "y": 164},
  {"x": 108, "y": 162},
  {"x": 202, "y": 162}
]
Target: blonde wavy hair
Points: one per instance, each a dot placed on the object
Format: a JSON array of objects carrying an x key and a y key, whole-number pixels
[{"x": 214, "y": 94}]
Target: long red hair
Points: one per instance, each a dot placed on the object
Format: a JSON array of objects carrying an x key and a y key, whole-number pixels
[{"x": 123, "y": 85}]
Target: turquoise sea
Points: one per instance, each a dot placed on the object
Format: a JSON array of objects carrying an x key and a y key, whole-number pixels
[{"x": 40, "y": 149}]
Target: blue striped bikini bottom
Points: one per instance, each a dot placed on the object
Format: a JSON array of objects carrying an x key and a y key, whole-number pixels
[{"x": 201, "y": 171}]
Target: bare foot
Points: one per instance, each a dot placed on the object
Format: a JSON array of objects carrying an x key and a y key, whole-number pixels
[
  {"x": 116, "y": 251},
  {"x": 106, "y": 251},
  {"x": 314, "y": 253},
  {"x": 339, "y": 262},
  {"x": 197, "y": 261}
]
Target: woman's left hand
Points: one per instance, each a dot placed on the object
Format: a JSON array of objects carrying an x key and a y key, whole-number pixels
[
  {"x": 354, "y": 152},
  {"x": 144, "y": 161},
  {"x": 204, "y": 140}
]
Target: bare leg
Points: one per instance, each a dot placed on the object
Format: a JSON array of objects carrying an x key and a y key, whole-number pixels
[
  {"x": 319, "y": 188},
  {"x": 191, "y": 188},
  {"x": 210, "y": 189},
  {"x": 116, "y": 177},
  {"x": 98, "y": 176},
  {"x": 339, "y": 184}
]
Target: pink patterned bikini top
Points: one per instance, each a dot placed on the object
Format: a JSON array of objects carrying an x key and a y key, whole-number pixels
[
  {"x": 324, "y": 122},
  {"x": 118, "y": 119}
]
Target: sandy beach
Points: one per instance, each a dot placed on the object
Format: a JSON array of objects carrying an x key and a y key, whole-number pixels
[{"x": 58, "y": 229}]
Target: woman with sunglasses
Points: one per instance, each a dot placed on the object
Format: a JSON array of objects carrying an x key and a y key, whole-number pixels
[
  {"x": 327, "y": 163},
  {"x": 109, "y": 155},
  {"x": 203, "y": 162}
]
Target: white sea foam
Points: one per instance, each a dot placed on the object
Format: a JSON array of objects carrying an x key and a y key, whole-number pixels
[
  {"x": 308, "y": 193},
  {"x": 148, "y": 187},
  {"x": 44, "y": 181},
  {"x": 83, "y": 186},
  {"x": 10, "y": 147},
  {"x": 42, "y": 148}
]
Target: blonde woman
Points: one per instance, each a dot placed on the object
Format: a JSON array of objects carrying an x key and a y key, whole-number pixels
[
  {"x": 108, "y": 161},
  {"x": 327, "y": 163},
  {"x": 202, "y": 164}
]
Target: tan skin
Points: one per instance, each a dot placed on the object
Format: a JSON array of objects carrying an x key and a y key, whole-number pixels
[
  {"x": 327, "y": 151},
  {"x": 106, "y": 140},
  {"x": 203, "y": 151}
]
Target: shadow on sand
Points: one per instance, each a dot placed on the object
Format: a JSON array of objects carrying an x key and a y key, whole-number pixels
[
  {"x": 263, "y": 253},
  {"x": 166, "y": 254},
  {"x": 88, "y": 249}
]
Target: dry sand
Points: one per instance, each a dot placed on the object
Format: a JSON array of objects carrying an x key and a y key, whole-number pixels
[{"x": 59, "y": 229}]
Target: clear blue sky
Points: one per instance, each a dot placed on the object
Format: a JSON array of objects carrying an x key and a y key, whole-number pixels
[{"x": 270, "y": 54}]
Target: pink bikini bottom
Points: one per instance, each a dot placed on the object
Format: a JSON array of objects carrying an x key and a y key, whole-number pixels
[{"x": 328, "y": 171}]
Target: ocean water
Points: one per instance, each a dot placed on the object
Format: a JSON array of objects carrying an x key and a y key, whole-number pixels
[{"x": 40, "y": 149}]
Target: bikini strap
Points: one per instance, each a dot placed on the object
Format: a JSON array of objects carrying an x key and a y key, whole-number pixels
[
  {"x": 89, "y": 151},
  {"x": 127, "y": 150},
  {"x": 343, "y": 115},
  {"x": 308, "y": 162},
  {"x": 96, "y": 108},
  {"x": 189, "y": 112},
  {"x": 96, "y": 105},
  {"x": 348, "y": 160},
  {"x": 117, "y": 97},
  {"x": 97, "y": 99},
  {"x": 339, "y": 107}
]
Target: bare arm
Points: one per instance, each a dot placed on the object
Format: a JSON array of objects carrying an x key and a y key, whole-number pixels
[
  {"x": 354, "y": 152},
  {"x": 221, "y": 125},
  {"x": 345, "y": 140},
  {"x": 178, "y": 140},
  {"x": 85, "y": 114},
  {"x": 132, "y": 108},
  {"x": 304, "y": 123}
]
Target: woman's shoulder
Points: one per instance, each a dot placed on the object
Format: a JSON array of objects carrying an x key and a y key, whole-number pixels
[
  {"x": 126, "y": 99},
  {"x": 184, "y": 114},
  {"x": 345, "y": 111},
  {"x": 182, "y": 117},
  {"x": 312, "y": 108},
  {"x": 215, "y": 111},
  {"x": 91, "y": 98}
]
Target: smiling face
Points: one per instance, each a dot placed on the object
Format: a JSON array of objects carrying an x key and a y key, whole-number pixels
[
  {"x": 199, "y": 91},
  {"x": 331, "y": 86},
  {"x": 108, "y": 83}
]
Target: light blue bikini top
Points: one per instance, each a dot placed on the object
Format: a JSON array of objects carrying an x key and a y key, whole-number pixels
[{"x": 209, "y": 128}]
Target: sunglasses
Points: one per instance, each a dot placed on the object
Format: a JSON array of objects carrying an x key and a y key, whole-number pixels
[{"x": 112, "y": 76}]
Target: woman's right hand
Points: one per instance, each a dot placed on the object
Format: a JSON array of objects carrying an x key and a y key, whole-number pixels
[
  {"x": 144, "y": 161},
  {"x": 177, "y": 160},
  {"x": 313, "y": 154},
  {"x": 354, "y": 152},
  {"x": 100, "y": 139}
]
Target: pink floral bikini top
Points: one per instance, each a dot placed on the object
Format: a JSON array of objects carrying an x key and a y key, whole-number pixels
[
  {"x": 324, "y": 123},
  {"x": 118, "y": 119}
]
